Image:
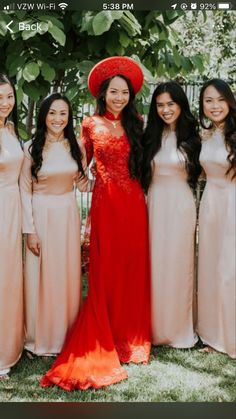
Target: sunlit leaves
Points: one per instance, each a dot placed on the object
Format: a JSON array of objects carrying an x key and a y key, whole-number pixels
[
  {"x": 48, "y": 72},
  {"x": 57, "y": 34},
  {"x": 31, "y": 71},
  {"x": 103, "y": 21}
]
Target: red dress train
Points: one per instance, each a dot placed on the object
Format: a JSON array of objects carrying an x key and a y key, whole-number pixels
[{"x": 113, "y": 326}]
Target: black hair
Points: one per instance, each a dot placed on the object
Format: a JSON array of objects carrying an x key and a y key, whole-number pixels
[
  {"x": 13, "y": 115},
  {"x": 230, "y": 121},
  {"x": 188, "y": 139},
  {"x": 131, "y": 122},
  {"x": 39, "y": 138}
]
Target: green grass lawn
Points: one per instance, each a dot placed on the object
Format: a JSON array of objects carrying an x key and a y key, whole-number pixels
[{"x": 172, "y": 375}]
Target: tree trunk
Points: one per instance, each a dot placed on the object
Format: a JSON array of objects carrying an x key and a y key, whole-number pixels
[{"x": 30, "y": 116}]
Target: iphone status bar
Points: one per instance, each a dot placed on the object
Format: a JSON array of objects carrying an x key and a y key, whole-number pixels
[{"x": 118, "y": 5}]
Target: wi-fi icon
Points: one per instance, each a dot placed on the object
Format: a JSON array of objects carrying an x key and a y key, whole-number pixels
[{"x": 63, "y": 5}]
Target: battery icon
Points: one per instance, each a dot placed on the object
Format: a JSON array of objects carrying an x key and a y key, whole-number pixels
[{"x": 223, "y": 6}]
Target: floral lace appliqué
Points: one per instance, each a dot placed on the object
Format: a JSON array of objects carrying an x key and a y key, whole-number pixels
[
  {"x": 134, "y": 353},
  {"x": 111, "y": 154},
  {"x": 117, "y": 375}
]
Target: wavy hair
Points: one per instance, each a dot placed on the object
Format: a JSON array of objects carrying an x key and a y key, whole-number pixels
[
  {"x": 13, "y": 115},
  {"x": 188, "y": 139},
  {"x": 131, "y": 122},
  {"x": 230, "y": 121},
  {"x": 39, "y": 138}
]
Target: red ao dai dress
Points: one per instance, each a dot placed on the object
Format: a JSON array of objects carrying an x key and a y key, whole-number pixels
[
  {"x": 11, "y": 279},
  {"x": 172, "y": 222},
  {"x": 52, "y": 280},
  {"x": 217, "y": 248},
  {"x": 114, "y": 323}
]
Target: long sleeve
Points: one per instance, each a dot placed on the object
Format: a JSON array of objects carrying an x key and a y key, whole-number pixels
[
  {"x": 84, "y": 184},
  {"x": 86, "y": 139},
  {"x": 26, "y": 186}
]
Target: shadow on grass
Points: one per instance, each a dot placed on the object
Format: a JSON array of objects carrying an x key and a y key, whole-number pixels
[{"x": 209, "y": 363}]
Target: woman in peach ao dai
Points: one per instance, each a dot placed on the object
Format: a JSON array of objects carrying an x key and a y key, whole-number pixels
[{"x": 11, "y": 278}]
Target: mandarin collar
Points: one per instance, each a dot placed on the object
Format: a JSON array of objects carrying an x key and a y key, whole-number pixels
[{"x": 111, "y": 116}]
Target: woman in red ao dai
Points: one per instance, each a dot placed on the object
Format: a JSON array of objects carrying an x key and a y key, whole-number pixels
[{"x": 113, "y": 326}]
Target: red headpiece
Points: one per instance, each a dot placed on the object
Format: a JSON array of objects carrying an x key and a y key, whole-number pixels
[{"x": 112, "y": 66}]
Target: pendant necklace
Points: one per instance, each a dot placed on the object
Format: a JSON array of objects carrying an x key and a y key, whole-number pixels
[{"x": 114, "y": 123}]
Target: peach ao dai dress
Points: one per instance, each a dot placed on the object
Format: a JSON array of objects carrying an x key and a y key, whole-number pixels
[
  {"x": 172, "y": 221},
  {"x": 217, "y": 249},
  {"x": 52, "y": 280},
  {"x": 11, "y": 279}
]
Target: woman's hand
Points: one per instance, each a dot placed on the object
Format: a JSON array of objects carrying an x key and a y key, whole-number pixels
[
  {"x": 93, "y": 169},
  {"x": 33, "y": 244}
]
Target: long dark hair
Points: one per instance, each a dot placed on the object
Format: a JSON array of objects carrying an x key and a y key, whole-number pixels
[
  {"x": 13, "y": 115},
  {"x": 188, "y": 139},
  {"x": 131, "y": 122},
  {"x": 230, "y": 121},
  {"x": 39, "y": 138}
]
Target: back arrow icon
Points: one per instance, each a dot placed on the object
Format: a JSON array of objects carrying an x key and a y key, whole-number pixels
[{"x": 8, "y": 26}]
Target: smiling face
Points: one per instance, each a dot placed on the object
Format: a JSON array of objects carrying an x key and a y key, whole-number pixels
[
  {"x": 168, "y": 110},
  {"x": 215, "y": 106},
  {"x": 57, "y": 118},
  {"x": 7, "y": 101},
  {"x": 117, "y": 95}
]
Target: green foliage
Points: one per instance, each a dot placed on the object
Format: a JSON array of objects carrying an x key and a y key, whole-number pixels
[
  {"x": 103, "y": 20},
  {"x": 58, "y": 35},
  {"x": 68, "y": 44},
  {"x": 48, "y": 72},
  {"x": 207, "y": 37},
  {"x": 31, "y": 71}
]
